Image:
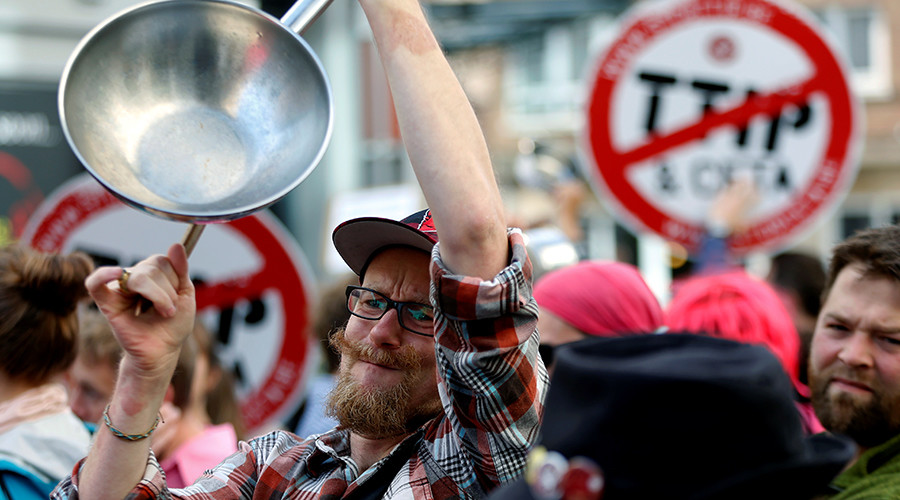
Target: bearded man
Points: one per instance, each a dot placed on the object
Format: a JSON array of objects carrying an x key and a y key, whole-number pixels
[
  {"x": 441, "y": 386},
  {"x": 855, "y": 361}
]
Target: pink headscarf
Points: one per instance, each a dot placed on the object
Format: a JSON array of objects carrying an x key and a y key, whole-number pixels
[
  {"x": 739, "y": 307},
  {"x": 599, "y": 298}
]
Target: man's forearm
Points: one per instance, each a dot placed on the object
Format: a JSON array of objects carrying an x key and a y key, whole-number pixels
[
  {"x": 443, "y": 138},
  {"x": 115, "y": 465},
  {"x": 151, "y": 342}
]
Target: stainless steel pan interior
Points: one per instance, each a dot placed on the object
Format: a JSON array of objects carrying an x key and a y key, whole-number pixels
[{"x": 196, "y": 110}]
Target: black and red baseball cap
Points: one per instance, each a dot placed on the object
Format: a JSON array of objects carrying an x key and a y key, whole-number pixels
[{"x": 358, "y": 240}]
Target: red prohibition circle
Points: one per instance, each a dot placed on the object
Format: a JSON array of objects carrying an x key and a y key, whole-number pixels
[
  {"x": 78, "y": 202},
  {"x": 611, "y": 165}
]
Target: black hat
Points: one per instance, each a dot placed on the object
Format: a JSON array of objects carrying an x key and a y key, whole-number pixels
[
  {"x": 681, "y": 416},
  {"x": 358, "y": 240}
]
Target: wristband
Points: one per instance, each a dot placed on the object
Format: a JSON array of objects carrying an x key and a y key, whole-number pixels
[{"x": 129, "y": 437}]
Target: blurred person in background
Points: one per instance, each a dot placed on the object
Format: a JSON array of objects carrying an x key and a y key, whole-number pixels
[
  {"x": 331, "y": 314},
  {"x": 40, "y": 438},
  {"x": 737, "y": 306},
  {"x": 594, "y": 298},
  {"x": 727, "y": 215},
  {"x": 674, "y": 417},
  {"x": 222, "y": 404},
  {"x": 542, "y": 168},
  {"x": 549, "y": 204},
  {"x": 799, "y": 279},
  {"x": 796, "y": 277},
  {"x": 854, "y": 366},
  {"x": 92, "y": 377},
  {"x": 201, "y": 418},
  {"x": 189, "y": 441}
]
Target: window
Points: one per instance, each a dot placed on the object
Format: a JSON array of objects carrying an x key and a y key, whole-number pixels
[
  {"x": 862, "y": 211},
  {"x": 544, "y": 78},
  {"x": 861, "y": 33},
  {"x": 384, "y": 163},
  {"x": 580, "y": 34},
  {"x": 851, "y": 223},
  {"x": 529, "y": 53},
  {"x": 859, "y": 26}
]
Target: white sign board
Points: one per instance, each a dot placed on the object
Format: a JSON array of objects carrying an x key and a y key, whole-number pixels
[{"x": 694, "y": 93}]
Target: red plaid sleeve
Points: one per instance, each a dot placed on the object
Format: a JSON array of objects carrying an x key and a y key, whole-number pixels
[{"x": 492, "y": 381}]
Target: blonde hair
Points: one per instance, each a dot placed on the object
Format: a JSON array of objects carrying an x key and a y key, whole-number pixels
[{"x": 96, "y": 342}]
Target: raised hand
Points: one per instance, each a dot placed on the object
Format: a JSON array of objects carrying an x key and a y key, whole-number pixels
[{"x": 152, "y": 338}]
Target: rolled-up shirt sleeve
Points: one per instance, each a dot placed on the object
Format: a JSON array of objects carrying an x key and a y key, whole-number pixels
[
  {"x": 493, "y": 382},
  {"x": 152, "y": 484}
]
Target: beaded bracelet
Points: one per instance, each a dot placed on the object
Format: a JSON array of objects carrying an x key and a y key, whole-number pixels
[{"x": 129, "y": 437}]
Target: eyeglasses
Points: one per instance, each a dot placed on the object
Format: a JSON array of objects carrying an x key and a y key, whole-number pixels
[{"x": 366, "y": 303}]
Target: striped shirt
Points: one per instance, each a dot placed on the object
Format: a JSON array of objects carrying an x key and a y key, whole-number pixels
[{"x": 492, "y": 386}]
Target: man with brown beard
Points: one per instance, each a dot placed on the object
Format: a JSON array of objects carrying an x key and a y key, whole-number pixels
[
  {"x": 441, "y": 385},
  {"x": 855, "y": 361}
]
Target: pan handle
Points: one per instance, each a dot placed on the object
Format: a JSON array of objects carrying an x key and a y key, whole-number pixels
[
  {"x": 191, "y": 236},
  {"x": 303, "y": 13},
  {"x": 189, "y": 240}
]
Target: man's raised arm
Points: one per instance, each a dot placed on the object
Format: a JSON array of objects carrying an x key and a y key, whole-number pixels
[
  {"x": 443, "y": 138},
  {"x": 151, "y": 341}
]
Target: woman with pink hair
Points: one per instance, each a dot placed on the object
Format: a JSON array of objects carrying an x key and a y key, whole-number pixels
[
  {"x": 594, "y": 298},
  {"x": 737, "y": 306}
]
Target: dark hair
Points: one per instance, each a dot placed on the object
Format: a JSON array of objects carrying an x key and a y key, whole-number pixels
[
  {"x": 331, "y": 314},
  {"x": 877, "y": 251},
  {"x": 220, "y": 400},
  {"x": 802, "y": 274},
  {"x": 39, "y": 296},
  {"x": 183, "y": 376}
]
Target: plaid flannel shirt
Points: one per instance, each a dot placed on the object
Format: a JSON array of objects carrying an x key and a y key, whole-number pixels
[{"x": 492, "y": 387}]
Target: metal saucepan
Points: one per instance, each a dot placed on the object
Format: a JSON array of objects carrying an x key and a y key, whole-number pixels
[{"x": 198, "y": 110}]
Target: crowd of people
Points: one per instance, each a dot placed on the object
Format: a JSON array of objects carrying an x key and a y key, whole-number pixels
[{"x": 456, "y": 374}]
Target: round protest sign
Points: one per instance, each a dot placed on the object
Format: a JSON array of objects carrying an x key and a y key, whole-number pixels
[
  {"x": 692, "y": 94},
  {"x": 251, "y": 280}
]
